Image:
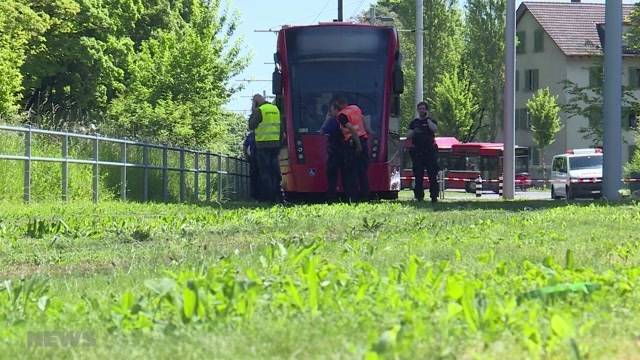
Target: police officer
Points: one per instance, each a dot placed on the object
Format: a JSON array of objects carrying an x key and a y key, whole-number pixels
[
  {"x": 422, "y": 132},
  {"x": 265, "y": 121},
  {"x": 335, "y": 151},
  {"x": 356, "y": 149}
]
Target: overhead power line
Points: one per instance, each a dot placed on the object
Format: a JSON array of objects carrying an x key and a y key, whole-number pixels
[{"x": 252, "y": 80}]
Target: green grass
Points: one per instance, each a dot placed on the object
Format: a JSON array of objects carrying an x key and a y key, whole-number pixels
[{"x": 462, "y": 279}]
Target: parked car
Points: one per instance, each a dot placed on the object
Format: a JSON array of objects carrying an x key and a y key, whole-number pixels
[{"x": 577, "y": 173}]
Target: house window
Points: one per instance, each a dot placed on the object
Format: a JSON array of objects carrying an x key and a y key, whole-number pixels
[
  {"x": 531, "y": 80},
  {"x": 517, "y": 80},
  {"x": 538, "y": 40},
  {"x": 522, "y": 42},
  {"x": 634, "y": 78},
  {"x": 595, "y": 76}
]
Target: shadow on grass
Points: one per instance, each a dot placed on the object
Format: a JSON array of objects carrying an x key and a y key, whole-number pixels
[
  {"x": 447, "y": 205},
  {"x": 513, "y": 205}
]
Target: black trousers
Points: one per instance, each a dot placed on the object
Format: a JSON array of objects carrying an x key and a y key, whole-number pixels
[
  {"x": 269, "y": 174},
  {"x": 425, "y": 160},
  {"x": 254, "y": 178},
  {"x": 335, "y": 166},
  {"x": 356, "y": 174}
]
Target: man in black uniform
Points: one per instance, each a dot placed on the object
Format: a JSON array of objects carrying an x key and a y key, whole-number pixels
[
  {"x": 250, "y": 154},
  {"x": 335, "y": 152},
  {"x": 422, "y": 132}
]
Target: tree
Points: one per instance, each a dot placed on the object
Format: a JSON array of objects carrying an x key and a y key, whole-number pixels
[
  {"x": 586, "y": 101},
  {"x": 19, "y": 24},
  {"x": 484, "y": 54},
  {"x": 543, "y": 111},
  {"x": 443, "y": 44},
  {"x": 455, "y": 107},
  {"x": 632, "y": 36},
  {"x": 154, "y": 69},
  {"x": 179, "y": 82},
  {"x": 81, "y": 62}
]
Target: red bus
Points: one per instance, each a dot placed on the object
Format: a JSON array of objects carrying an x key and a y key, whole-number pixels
[
  {"x": 444, "y": 160},
  {"x": 314, "y": 65},
  {"x": 485, "y": 159},
  {"x": 463, "y": 163}
]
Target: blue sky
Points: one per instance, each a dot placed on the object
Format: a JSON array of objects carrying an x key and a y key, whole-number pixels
[{"x": 263, "y": 15}]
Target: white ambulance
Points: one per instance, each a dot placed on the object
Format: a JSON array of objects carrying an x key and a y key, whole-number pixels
[{"x": 577, "y": 173}]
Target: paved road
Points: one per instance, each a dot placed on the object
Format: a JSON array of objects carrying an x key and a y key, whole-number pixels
[{"x": 488, "y": 195}]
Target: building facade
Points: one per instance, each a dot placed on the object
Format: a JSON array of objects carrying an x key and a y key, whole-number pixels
[{"x": 560, "y": 42}]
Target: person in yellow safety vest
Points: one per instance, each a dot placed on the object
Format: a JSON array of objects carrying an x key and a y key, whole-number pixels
[
  {"x": 356, "y": 151},
  {"x": 265, "y": 122}
]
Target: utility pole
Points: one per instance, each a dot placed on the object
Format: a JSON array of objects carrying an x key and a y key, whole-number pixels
[
  {"x": 419, "y": 51},
  {"x": 340, "y": 10},
  {"x": 612, "y": 162},
  {"x": 372, "y": 15},
  {"x": 508, "y": 129}
]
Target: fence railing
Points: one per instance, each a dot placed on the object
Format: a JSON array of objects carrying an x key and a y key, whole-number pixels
[{"x": 231, "y": 173}]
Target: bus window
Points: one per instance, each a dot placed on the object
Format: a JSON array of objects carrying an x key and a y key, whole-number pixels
[
  {"x": 472, "y": 163},
  {"x": 325, "y": 63},
  {"x": 456, "y": 163},
  {"x": 522, "y": 164},
  {"x": 443, "y": 161},
  {"x": 406, "y": 161},
  {"x": 361, "y": 83}
]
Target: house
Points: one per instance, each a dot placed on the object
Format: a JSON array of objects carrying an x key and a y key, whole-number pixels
[{"x": 558, "y": 42}]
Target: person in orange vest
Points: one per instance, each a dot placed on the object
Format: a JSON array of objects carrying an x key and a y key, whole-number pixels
[{"x": 356, "y": 150}]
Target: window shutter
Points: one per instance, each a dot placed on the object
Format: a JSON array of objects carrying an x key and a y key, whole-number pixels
[
  {"x": 517, "y": 80},
  {"x": 535, "y": 80},
  {"x": 633, "y": 78},
  {"x": 538, "y": 41},
  {"x": 593, "y": 76},
  {"x": 527, "y": 80}
]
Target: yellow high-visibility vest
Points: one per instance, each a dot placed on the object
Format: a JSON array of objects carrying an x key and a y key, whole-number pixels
[{"x": 269, "y": 127}]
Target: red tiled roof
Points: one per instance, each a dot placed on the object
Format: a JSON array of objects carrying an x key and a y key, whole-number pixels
[{"x": 572, "y": 26}]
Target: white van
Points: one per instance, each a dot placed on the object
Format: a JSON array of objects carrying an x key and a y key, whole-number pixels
[{"x": 577, "y": 173}]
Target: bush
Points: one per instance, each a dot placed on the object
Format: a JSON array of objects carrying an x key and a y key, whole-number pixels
[{"x": 632, "y": 168}]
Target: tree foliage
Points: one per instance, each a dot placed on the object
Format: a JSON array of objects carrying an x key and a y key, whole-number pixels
[
  {"x": 632, "y": 36},
  {"x": 456, "y": 107},
  {"x": 443, "y": 44},
  {"x": 544, "y": 112},
  {"x": 19, "y": 25},
  {"x": 153, "y": 69},
  {"x": 178, "y": 84},
  {"x": 484, "y": 54}
]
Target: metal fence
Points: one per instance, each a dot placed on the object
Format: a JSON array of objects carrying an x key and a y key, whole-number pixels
[{"x": 231, "y": 173}]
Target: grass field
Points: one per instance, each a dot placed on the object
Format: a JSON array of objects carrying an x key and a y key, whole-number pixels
[{"x": 477, "y": 279}]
